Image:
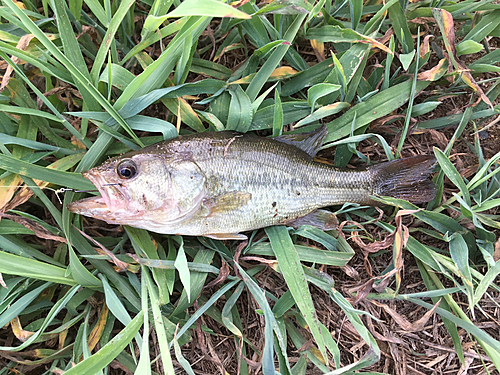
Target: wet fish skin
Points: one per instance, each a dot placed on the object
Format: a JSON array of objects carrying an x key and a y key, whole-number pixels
[{"x": 223, "y": 183}]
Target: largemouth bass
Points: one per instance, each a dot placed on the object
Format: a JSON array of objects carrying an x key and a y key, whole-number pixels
[{"x": 223, "y": 183}]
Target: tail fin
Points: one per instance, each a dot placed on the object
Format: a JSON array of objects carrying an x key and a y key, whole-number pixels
[{"x": 406, "y": 179}]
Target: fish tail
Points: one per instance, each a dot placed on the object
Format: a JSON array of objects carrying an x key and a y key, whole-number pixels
[{"x": 406, "y": 179}]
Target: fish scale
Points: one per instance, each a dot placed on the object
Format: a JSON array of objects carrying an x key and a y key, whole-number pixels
[{"x": 223, "y": 183}]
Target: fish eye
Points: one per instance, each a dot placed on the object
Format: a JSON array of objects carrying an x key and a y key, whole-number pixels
[{"x": 126, "y": 169}]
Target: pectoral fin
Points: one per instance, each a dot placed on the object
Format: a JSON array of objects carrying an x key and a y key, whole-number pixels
[
  {"x": 230, "y": 201},
  {"x": 226, "y": 236},
  {"x": 321, "y": 219}
]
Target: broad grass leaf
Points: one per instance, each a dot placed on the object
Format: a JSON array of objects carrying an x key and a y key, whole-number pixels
[
  {"x": 28, "y": 111},
  {"x": 182, "y": 267},
  {"x": 400, "y": 27},
  {"x": 209, "y": 8},
  {"x": 300, "y": 367},
  {"x": 291, "y": 269},
  {"x": 459, "y": 252},
  {"x": 338, "y": 34},
  {"x": 197, "y": 281},
  {"x": 468, "y": 47},
  {"x": 376, "y": 107},
  {"x": 323, "y": 112},
  {"x": 406, "y": 59},
  {"x": 109, "y": 39},
  {"x": 160, "y": 323},
  {"x": 484, "y": 68},
  {"x": 310, "y": 254},
  {"x": 212, "y": 120},
  {"x": 318, "y": 91},
  {"x": 153, "y": 125},
  {"x": 67, "y": 179},
  {"x": 210, "y": 69},
  {"x": 120, "y": 77},
  {"x": 307, "y": 78},
  {"x": 185, "y": 113},
  {"x": 484, "y": 27},
  {"x": 80, "y": 273},
  {"x": 287, "y": 7},
  {"x": 11, "y": 264},
  {"x": 486, "y": 282},
  {"x": 143, "y": 366},
  {"x": 270, "y": 327},
  {"x": 278, "y": 115},
  {"x": 21, "y": 303},
  {"x": 97, "y": 10},
  {"x": 72, "y": 51},
  {"x": 452, "y": 174},
  {"x": 274, "y": 59},
  {"x": 423, "y": 108},
  {"x": 240, "y": 110},
  {"x": 109, "y": 351},
  {"x": 226, "y": 314},
  {"x": 284, "y": 303},
  {"x": 158, "y": 72},
  {"x": 292, "y": 111},
  {"x": 116, "y": 306},
  {"x": 356, "y": 8},
  {"x": 152, "y": 38},
  {"x": 180, "y": 358},
  {"x": 143, "y": 244}
]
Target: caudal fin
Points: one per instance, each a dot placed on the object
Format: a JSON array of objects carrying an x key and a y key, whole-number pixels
[{"x": 406, "y": 179}]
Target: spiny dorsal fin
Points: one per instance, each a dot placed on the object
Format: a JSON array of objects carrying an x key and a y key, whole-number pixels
[{"x": 307, "y": 142}]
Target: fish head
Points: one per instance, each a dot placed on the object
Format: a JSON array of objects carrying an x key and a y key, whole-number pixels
[{"x": 140, "y": 187}]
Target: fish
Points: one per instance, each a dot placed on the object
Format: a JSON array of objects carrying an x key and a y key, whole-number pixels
[{"x": 220, "y": 184}]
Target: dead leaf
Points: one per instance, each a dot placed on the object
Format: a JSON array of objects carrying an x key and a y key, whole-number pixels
[
  {"x": 424, "y": 49},
  {"x": 38, "y": 230},
  {"x": 445, "y": 22},
  {"x": 21, "y": 45},
  {"x": 2, "y": 282},
  {"x": 496, "y": 253},
  {"x": 419, "y": 325},
  {"x": 387, "y": 36},
  {"x": 363, "y": 291},
  {"x": 319, "y": 49},
  {"x": 18, "y": 330},
  {"x": 221, "y": 277},
  {"x": 122, "y": 266},
  {"x": 435, "y": 73},
  {"x": 96, "y": 333}
]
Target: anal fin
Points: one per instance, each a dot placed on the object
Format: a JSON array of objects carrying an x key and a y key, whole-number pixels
[
  {"x": 226, "y": 236},
  {"x": 321, "y": 219}
]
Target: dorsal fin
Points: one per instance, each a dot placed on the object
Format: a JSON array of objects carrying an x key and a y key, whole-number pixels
[{"x": 307, "y": 142}]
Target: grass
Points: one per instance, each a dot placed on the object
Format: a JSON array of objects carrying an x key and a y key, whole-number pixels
[{"x": 83, "y": 81}]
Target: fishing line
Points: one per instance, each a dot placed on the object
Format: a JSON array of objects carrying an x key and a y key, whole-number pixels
[{"x": 60, "y": 190}]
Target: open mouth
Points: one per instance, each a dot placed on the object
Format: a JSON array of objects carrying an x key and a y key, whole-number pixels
[{"x": 113, "y": 195}]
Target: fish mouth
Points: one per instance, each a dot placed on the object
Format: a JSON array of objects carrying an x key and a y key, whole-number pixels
[{"x": 113, "y": 196}]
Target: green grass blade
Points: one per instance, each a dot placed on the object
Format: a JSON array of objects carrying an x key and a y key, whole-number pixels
[
  {"x": 11, "y": 264},
  {"x": 159, "y": 322},
  {"x": 109, "y": 351},
  {"x": 291, "y": 269}
]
